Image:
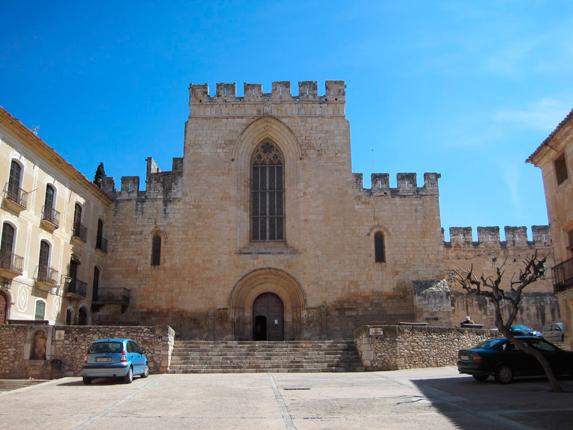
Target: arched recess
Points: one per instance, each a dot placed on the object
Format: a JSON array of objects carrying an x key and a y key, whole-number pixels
[
  {"x": 5, "y": 301},
  {"x": 261, "y": 281},
  {"x": 271, "y": 130}
]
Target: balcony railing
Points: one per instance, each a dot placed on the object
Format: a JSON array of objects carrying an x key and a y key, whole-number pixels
[
  {"x": 563, "y": 276},
  {"x": 11, "y": 265},
  {"x": 112, "y": 296},
  {"x": 77, "y": 288},
  {"x": 15, "y": 196},
  {"x": 101, "y": 244},
  {"x": 51, "y": 215},
  {"x": 47, "y": 276},
  {"x": 80, "y": 232}
]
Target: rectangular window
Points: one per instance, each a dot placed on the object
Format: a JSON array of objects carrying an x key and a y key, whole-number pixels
[{"x": 561, "y": 169}]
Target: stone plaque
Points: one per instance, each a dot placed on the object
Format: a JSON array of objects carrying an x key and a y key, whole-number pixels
[{"x": 60, "y": 334}]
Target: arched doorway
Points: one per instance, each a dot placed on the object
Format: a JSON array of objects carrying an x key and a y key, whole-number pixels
[
  {"x": 3, "y": 308},
  {"x": 271, "y": 294},
  {"x": 82, "y": 316},
  {"x": 268, "y": 317}
]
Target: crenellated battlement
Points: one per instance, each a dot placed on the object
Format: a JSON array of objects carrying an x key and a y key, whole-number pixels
[
  {"x": 201, "y": 103},
  {"x": 461, "y": 237},
  {"x": 158, "y": 184},
  {"x": 407, "y": 184}
]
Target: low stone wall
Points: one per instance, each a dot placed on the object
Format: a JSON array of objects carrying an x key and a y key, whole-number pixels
[
  {"x": 391, "y": 347},
  {"x": 42, "y": 351}
]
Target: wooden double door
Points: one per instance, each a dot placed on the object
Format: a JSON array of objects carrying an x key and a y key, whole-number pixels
[{"x": 268, "y": 317}]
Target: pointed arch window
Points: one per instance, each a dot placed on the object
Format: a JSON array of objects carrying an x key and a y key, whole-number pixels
[
  {"x": 267, "y": 193},
  {"x": 379, "y": 248}
]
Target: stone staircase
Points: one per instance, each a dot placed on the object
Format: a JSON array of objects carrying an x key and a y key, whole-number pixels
[{"x": 250, "y": 356}]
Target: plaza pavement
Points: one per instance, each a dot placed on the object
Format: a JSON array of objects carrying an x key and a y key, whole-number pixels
[{"x": 436, "y": 398}]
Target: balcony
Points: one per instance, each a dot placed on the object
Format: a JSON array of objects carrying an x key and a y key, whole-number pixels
[
  {"x": 15, "y": 199},
  {"x": 112, "y": 296},
  {"x": 563, "y": 276},
  {"x": 101, "y": 244},
  {"x": 76, "y": 289},
  {"x": 50, "y": 219},
  {"x": 11, "y": 265},
  {"x": 47, "y": 277},
  {"x": 80, "y": 233}
]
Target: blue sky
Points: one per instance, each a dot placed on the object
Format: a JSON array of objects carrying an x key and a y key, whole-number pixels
[{"x": 467, "y": 89}]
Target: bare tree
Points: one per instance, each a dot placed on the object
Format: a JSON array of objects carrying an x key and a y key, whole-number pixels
[{"x": 507, "y": 302}]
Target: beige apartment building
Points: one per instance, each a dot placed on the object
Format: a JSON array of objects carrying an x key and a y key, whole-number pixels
[
  {"x": 555, "y": 159},
  {"x": 53, "y": 223},
  {"x": 260, "y": 231}
]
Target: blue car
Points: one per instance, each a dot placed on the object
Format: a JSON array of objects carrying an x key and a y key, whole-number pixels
[
  {"x": 115, "y": 358},
  {"x": 523, "y": 330}
]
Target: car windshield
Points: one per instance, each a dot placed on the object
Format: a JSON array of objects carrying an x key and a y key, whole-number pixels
[
  {"x": 520, "y": 327},
  {"x": 491, "y": 343},
  {"x": 102, "y": 347}
]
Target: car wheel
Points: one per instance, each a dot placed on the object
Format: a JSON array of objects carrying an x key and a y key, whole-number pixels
[
  {"x": 480, "y": 378},
  {"x": 129, "y": 377},
  {"x": 87, "y": 380},
  {"x": 145, "y": 373},
  {"x": 504, "y": 374}
]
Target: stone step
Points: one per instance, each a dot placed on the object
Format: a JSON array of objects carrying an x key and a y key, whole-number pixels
[
  {"x": 247, "y": 356},
  {"x": 269, "y": 370}
]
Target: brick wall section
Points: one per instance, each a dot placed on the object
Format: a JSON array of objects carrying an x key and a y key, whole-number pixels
[
  {"x": 390, "y": 347},
  {"x": 70, "y": 350}
]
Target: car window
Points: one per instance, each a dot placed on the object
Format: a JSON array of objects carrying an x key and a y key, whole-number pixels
[
  {"x": 509, "y": 347},
  {"x": 103, "y": 347},
  {"x": 492, "y": 344},
  {"x": 130, "y": 347},
  {"x": 542, "y": 345},
  {"x": 138, "y": 348}
]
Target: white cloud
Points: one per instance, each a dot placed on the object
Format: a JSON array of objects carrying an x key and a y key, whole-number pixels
[{"x": 542, "y": 115}]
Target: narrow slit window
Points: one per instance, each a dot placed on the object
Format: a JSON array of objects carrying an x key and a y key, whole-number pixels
[
  {"x": 156, "y": 250},
  {"x": 379, "y": 249}
]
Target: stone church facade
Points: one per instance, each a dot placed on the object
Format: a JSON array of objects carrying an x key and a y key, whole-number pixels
[{"x": 262, "y": 231}]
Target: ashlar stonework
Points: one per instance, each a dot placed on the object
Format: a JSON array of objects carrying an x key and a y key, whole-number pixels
[{"x": 325, "y": 269}]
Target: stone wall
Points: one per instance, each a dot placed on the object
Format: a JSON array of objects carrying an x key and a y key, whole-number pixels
[
  {"x": 65, "y": 348},
  {"x": 390, "y": 347}
]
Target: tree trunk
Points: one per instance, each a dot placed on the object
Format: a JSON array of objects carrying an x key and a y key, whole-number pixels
[{"x": 553, "y": 382}]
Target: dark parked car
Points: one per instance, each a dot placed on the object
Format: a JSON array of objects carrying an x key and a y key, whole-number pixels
[
  {"x": 503, "y": 360},
  {"x": 115, "y": 358}
]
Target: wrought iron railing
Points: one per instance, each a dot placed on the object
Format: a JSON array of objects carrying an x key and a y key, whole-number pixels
[
  {"x": 47, "y": 275},
  {"x": 16, "y": 195},
  {"x": 563, "y": 276},
  {"x": 51, "y": 215},
  {"x": 11, "y": 262},
  {"x": 77, "y": 287},
  {"x": 101, "y": 244},
  {"x": 80, "y": 232}
]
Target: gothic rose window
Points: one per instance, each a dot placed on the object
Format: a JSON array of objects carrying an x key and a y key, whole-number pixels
[{"x": 267, "y": 193}]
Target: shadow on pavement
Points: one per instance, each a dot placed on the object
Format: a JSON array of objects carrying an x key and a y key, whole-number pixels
[{"x": 476, "y": 405}]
